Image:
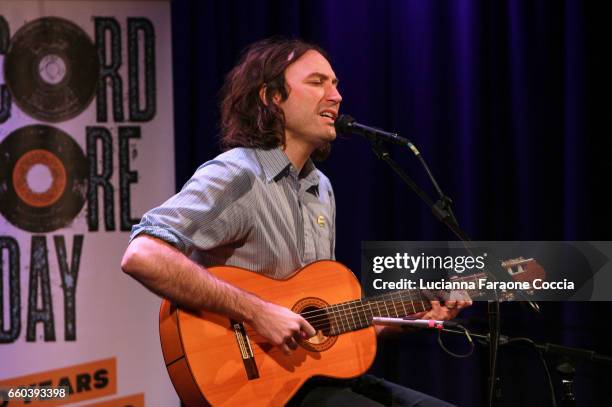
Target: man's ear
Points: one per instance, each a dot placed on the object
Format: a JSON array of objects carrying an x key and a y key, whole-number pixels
[
  {"x": 276, "y": 99},
  {"x": 262, "y": 94}
]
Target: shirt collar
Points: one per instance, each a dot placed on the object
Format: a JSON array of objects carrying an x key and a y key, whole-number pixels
[
  {"x": 311, "y": 175},
  {"x": 275, "y": 162}
]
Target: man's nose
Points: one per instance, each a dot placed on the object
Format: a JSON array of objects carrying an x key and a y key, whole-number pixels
[{"x": 334, "y": 95}]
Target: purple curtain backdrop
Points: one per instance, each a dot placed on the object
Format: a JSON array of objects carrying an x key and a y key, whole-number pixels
[{"x": 503, "y": 98}]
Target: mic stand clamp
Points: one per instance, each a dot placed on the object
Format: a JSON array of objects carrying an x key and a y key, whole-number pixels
[{"x": 443, "y": 210}]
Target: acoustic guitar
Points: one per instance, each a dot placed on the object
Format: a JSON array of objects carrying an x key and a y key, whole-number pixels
[{"x": 213, "y": 360}]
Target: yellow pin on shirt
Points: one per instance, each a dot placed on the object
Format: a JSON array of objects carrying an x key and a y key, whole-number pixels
[{"x": 321, "y": 220}]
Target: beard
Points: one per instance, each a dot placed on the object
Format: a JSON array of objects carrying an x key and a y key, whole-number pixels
[{"x": 322, "y": 152}]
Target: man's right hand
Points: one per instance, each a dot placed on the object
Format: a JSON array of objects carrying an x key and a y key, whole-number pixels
[
  {"x": 280, "y": 326},
  {"x": 169, "y": 273}
]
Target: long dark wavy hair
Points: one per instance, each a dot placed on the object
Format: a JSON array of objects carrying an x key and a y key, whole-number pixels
[{"x": 246, "y": 121}]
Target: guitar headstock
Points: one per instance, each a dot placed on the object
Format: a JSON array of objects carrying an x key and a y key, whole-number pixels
[
  {"x": 522, "y": 270},
  {"x": 519, "y": 269}
]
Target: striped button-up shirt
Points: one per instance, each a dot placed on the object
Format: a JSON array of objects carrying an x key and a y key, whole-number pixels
[{"x": 249, "y": 208}]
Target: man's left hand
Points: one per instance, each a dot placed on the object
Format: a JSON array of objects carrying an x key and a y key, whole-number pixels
[{"x": 449, "y": 310}]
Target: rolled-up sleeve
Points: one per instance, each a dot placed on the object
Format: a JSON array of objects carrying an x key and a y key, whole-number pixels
[{"x": 209, "y": 211}]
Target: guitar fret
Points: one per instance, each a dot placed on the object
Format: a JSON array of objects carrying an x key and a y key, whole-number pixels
[
  {"x": 330, "y": 316},
  {"x": 403, "y": 306},
  {"x": 346, "y": 313},
  {"x": 357, "y": 309},
  {"x": 363, "y": 323},
  {"x": 339, "y": 321},
  {"x": 356, "y": 313},
  {"x": 378, "y": 307},
  {"x": 336, "y": 318},
  {"x": 422, "y": 303},
  {"x": 366, "y": 321},
  {"x": 343, "y": 319},
  {"x": 371, "y": 311},
  {"x": 387, "y": 309},
  {"x": 393, "y": 303},
  {"x": 414, "y": 311},
  {"x": 408, "y": 298},
  {"x": 350, "y": 312},
  {"x": 412, "y": 302}
]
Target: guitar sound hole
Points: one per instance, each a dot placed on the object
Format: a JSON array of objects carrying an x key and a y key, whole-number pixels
[
  {"x": 312, "y": 309},
  {"x": 320, "y": 321}
]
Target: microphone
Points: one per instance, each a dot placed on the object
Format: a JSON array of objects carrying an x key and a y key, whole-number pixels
[
  {"x": 346, "y": 124},
  {"x": 415, "y": 323}
]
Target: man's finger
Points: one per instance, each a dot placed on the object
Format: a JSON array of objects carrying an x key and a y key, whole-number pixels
[
  {"x": 464, "y": 304},
  {"x": 286, "y": 349},
  {"x": 435, "y": 308},
  {"x": 306, "y": 327},
  {"x": 452, "y": 314},
  {"x": 292, "y": 344}
]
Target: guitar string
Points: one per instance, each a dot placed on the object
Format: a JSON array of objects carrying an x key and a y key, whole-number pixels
[
  {"x": 351, "y": 306},
  {"x": 342, "y": 322},
  {"x": 339, "y": 313},
  {"x": 257, "y": 337},
  {"x": 328, "y": 319},
  {"x": 363, "y": 304},
  {"x": 371, "y": 299},
  {"x": 333, "y": 315},
  {"x": 408, "y": 292},
  {"x": 324, "y": 318},
  {"x": 340, "y": 316},
  {"x": 363, "y": 310},
  {"x": 341, "y": 309},
  {"x": 325, "y": 323}
]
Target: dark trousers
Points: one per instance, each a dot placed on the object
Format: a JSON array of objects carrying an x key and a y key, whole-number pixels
[{"x": 365, "y": 390}]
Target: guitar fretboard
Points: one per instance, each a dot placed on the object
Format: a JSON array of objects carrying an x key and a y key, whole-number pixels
[{"x": 353, "y": 315}]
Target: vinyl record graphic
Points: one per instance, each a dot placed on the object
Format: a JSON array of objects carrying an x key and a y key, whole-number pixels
[
  {"x": 43, "y": 178},
  {"x": 51, "y": 69}
]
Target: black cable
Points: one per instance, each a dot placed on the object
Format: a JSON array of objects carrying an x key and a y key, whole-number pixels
[
  {"x": 453, "y": 354},
  {"x": 494, "y": 344}
]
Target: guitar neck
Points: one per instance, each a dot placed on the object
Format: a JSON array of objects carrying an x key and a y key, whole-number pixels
[{"x": 358, "y": 314}]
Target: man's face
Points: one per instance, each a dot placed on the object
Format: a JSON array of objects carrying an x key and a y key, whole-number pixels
[{"x": 313, "y": 102}]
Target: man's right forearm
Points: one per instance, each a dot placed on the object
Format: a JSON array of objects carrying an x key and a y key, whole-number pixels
[{"x": 169, "y": 273}]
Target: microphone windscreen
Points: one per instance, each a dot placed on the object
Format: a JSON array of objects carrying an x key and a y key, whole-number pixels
[{"x": 343, "y": 123}]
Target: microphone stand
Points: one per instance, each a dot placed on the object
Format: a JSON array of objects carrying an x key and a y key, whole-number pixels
[
  {"x": 568, "y": 357},
  {"x": 443, "y": 212},
  {"x": 442, "y": 208}
]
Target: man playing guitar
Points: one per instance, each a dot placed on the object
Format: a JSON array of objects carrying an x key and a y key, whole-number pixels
[{"x": 261, "y": 205}]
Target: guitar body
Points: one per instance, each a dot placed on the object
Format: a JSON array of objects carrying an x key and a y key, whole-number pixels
[{"x": 213, "y": 360}]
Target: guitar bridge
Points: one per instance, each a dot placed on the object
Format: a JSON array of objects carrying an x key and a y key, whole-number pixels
[{"x": 248, "y": 358}]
